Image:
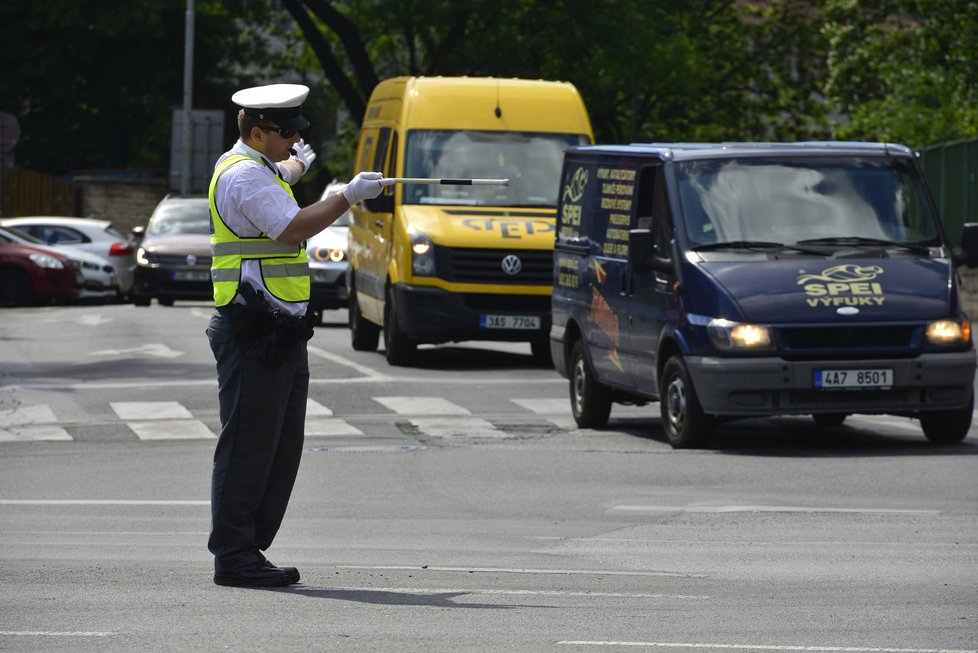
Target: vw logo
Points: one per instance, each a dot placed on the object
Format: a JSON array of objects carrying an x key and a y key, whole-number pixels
[
  {"x": 511, "y": 264},
  {"x": 191, "y": 259}
]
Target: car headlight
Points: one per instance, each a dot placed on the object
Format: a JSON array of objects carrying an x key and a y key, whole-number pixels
[
  {"x": 145, "y": 257},
  {"x": 949, "y": 332},
  {"x": 45, "y": 261},
  {"x": 328, "y": 254},
  {"x": 422, "y": 255},
  {"x": 737, "y": 336}
]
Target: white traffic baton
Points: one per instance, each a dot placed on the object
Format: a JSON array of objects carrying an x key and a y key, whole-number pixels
[{"x": 390, "y": 181}]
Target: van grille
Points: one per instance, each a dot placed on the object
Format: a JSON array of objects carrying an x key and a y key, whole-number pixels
[
  {"x": 467, "y": 265},
  {"x": 837, "y": 339}
]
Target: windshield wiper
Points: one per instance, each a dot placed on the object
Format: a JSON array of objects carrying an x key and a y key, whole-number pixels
[
  {"x": 859, "y": 241},
  {"x": 757, "y": 244}
]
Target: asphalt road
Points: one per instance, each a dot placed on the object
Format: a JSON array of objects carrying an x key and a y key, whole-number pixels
[{"x": 455, "y": 507}]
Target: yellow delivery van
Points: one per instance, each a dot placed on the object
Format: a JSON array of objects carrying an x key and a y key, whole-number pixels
[{"x": 434, "y": 263}]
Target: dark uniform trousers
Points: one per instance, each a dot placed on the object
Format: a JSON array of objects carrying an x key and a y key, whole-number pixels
[{"x": 263, "y": 414}]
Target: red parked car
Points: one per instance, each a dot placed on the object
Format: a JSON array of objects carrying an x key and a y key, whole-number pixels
[{"x": 32, "y": 276}]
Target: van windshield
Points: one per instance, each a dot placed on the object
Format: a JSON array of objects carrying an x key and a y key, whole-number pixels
[
  {"x": 805, "y": 200},
  {"x": 531, "y": 162}
]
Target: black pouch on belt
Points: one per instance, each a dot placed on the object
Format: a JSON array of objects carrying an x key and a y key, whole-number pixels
[{"x": 268, "y": 335}]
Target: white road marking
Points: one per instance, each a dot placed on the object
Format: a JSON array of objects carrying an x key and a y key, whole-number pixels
[
  {"x": 39, "y": 414},
  {"x": 465, "y": 427},
  {"x": 52, "y": 633},
  {"x": 421, "y": 406},
  {"x": 316, "y": 409},
  {"x": 558, "y": 411},
  {"x": 448, "y": 590},
  {"x": 769, "y": 647},
  {"x": 33, "y": 433},
  {"x": 99, "y": 502},
  {"x": 749, "y": 508},
  {"x": 507, "y": 570},
  {"x": 148, "y": 410},
  {"x": 369, "y": 372},
  {"x": 157, "y": 350},
  {"x": 171, "y": 429},
  {"x": 319, "y": 426}
]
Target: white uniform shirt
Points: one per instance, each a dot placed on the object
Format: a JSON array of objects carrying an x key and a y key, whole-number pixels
[{"x": 252, "y": 202}]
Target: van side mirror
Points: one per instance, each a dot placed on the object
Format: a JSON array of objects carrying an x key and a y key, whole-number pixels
[
  {"x": 641, "y": 253},
  {"x": 138, "y": 232},
  {"x": 969, "y": 246},
  {"x": 383, "y": 203}
]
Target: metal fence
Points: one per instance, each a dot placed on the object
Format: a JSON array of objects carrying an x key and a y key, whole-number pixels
[
  {"x": 26, "y": 192},
  {"x": 952, "y": 173}
]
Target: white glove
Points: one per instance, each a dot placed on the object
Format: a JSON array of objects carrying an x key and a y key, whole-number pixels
[
  {"x": 304, "y": 154},
  {"x": 364, "y": 186}
]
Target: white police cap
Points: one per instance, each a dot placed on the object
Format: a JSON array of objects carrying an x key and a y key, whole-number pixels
[{"x": 279, "y": 103}]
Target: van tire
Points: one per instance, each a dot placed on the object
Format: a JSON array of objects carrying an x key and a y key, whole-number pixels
[
  {"x": 590, "y": 401},
  {"x": 398, "y": 347},
  {"x": 829, "y": 420},
  {"x": 683, "y": 419},
  {"x": 364, "y": 334},
  {"x": 947, "y": 426}
]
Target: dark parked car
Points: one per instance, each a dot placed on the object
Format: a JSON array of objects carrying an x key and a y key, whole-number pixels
[
  {"x": 32, "y": 276},
  {"x": 173, "y": 261}
]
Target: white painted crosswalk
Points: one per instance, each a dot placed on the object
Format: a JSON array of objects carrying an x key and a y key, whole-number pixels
[
  {"x": 419, "y": 416},
  {"x": 170, "y": 420}
]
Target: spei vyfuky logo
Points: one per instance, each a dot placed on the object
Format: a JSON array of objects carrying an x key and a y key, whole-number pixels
[{"x": 848, "y": 284}]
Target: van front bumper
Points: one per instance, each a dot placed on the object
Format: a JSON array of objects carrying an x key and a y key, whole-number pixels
[
  {"x": 432, "y": 315},
  {"x": 774, "y": 386}
]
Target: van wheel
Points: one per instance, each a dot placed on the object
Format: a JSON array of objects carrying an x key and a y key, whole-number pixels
[
  {"x": 364, "y": 334},
  {"x": 590, "y": 401},
  {"x": 683, "y": 420},
  {"x": 399, "y": 348},
  {"x": 947, "y": 426},
  {"x": 829, "y": 420},
  {"x": 15, "y": 288}
]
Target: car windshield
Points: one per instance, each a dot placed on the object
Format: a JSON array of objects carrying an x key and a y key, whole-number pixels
[
  {"x": 815, "y": 201},
  {"x": 531, "y": 162},
  {"x": 180, "y": 217}
]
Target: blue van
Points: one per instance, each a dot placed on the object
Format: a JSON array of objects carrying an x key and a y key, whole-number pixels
[{"x": 735, "y": 280}]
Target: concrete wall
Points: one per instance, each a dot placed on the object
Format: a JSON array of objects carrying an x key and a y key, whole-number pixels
[{"x": 126, "y": 202}]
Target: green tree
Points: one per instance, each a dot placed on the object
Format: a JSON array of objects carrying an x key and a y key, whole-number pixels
[{"x": 904, "y": 70}]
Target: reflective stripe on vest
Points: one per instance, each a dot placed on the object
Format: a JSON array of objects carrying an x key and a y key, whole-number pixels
[{"x": 284, "y": 268}]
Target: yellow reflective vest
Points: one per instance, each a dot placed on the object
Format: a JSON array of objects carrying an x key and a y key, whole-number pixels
[{"x": 284, "y": 268}]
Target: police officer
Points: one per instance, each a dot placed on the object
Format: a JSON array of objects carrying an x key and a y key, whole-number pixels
[{"x": 258, "y": 332}]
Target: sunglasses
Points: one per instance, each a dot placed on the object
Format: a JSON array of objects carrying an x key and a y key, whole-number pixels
[{"x": 284, "y": 132}]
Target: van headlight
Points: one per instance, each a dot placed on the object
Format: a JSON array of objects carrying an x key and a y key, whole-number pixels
[
  {"x": 949, "y": 332},
  {"x": 737, "y": 336},
  {"x": 422, "y": 254}
]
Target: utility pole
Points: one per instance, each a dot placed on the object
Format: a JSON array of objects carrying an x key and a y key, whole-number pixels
[{"x": 188, "y": 103}]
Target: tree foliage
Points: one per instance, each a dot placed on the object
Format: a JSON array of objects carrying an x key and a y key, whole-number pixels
[{"x": 94, "y": 84}]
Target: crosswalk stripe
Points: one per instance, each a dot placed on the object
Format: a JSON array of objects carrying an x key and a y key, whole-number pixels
[
  {"x": 39, "y": 414},
  {"x": 556, "y": 411},
  {"x": 32, "y": 433},
  {"x": 421, "y": 406},
  {"x": 467, "y": 427},
  {"x": 330, "y": 427},
  {"x": 316, "y": 409},
  {"x": 146, "y": 410},
  {"x": 171, "y": 429}
]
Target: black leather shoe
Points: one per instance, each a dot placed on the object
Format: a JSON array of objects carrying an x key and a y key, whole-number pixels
[
  {"x": 255, "y": 577},
  {"x": 291, "y": 571}
]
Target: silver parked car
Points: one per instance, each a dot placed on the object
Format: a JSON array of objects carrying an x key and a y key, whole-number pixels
[
  {"x": 328, "y": 260},
  {"x": 93, "y": 235}
]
